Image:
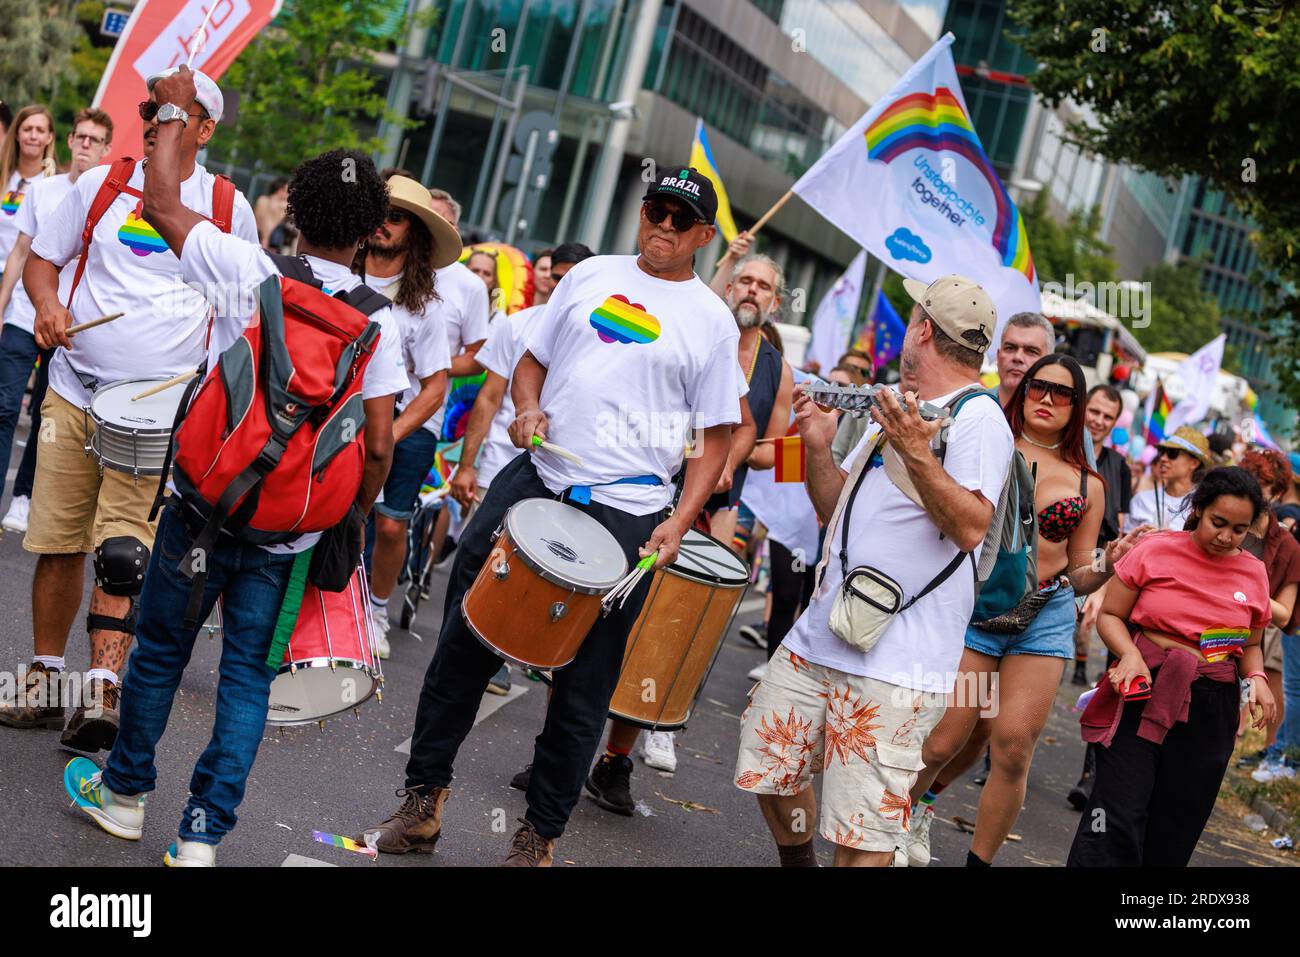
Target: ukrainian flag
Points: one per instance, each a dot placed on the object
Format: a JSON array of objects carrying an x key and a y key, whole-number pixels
[{"x": 702, "y": 160}]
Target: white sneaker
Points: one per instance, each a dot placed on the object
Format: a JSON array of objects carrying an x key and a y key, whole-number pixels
[
  {"x": 918, "y": 838},
  {"x": 1274, "y": 770},
  {"x": 758, "y": 672},
  {"x": 190, "y": 854},
  {"x": 380, "y": 618},
  {"x": 658, "y": 752},
  {"x": 15, "y": 519}
]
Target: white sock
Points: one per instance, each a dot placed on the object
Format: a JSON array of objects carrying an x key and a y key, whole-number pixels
[
  {"x": 53, "y": 662},
  {"x": 102, "y": 673},
  {"x": 378, "y": 602}
]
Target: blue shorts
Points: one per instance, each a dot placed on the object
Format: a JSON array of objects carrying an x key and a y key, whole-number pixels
[
  {"x": 1051, "y": 633},
  {"x": 412, "y": 459}
]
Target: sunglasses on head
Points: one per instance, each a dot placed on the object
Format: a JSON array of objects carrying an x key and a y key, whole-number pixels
[
  {"x": 656, "y": 213},
  {"x": 1062, "y": 395},
  {"x": 397, "y": 216},
  {"x": 149, "y": 109}
]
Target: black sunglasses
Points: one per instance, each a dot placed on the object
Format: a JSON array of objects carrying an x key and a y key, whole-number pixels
[
  {"x": 1062, "y": 395},
  {"x": 683, "y": 219},
  {"x": 397, "y": 216},
  {"x": 1170, "y": 454},
  {"x": 149, "y": 109}
]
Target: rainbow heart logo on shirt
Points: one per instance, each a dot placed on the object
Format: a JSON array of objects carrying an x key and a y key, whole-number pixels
[
  {"x": 11, "y": 202},
  {"x": 138, "y": 236},
  {"x": 619, "y": 320}
]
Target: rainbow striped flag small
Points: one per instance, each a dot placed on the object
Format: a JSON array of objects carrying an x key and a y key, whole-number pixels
[
  {"x": 1219, "y": 643},
  {"x": 1158, "y": 409},
  {"x": 338, "y": 840},
  {"x": 790, "y": 459}
]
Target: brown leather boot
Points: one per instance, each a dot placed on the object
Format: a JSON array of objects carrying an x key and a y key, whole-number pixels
[
  {"x": 529, "y": 849},
  {"x": 416, "y": 825},
  {"x": 39, "y": 704},
  {"x": 93, "y": 726}
]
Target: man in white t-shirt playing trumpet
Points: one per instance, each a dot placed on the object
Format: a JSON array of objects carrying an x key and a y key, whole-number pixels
[
  {"x": 860, "y": 718},
  {"x": 77, "y": 508},
  {"x": 622, "y": 338}
]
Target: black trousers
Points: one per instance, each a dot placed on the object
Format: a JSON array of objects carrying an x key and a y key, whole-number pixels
[
  {"x": 1150, "y": 801},
  {"x": 791, "y": 591},
  {"x": 461, "y": 665}
]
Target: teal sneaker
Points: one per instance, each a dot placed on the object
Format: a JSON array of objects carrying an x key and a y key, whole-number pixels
[
  {"x": 184, "y": 853},
  {"x": 120, "y": 815}
]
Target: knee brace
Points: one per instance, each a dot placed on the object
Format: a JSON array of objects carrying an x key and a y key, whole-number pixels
[{"x": 120, "y": 564}]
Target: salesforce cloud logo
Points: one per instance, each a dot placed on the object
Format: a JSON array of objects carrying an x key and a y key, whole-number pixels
[{"x": 904, "y": 244}]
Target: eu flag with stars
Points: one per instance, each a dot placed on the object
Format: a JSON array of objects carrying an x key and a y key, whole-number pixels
[{"x": 882, "y": 335}]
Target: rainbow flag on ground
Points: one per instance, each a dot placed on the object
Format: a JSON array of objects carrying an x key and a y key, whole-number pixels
[
  {"x": 790, "y": 460},
  {"x": 1157, "y": 414},
  {"x": 702, "y": 160}
]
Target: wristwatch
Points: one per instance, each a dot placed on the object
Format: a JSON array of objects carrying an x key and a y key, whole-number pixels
[{"x": 170, "y": 111}]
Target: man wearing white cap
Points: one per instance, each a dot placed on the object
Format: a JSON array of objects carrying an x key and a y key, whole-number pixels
[
  {"x": 833, "y": 700},
  {"x": 125, "y": 268}
]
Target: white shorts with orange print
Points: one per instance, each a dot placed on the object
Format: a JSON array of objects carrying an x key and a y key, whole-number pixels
[{"x": 863, "y": 736}]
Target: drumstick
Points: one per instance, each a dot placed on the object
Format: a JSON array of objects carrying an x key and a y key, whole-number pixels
[
  {"x": 164, "y": 386},
  {"x": 73, "y": 330},
  {"x": 539, "y": 442}
]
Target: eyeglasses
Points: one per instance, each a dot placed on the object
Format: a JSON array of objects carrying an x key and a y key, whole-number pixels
[
  {"x": 149, "y": 109},
  {"x": 86, "y": 139},
  {"x": 656, "y": 213},
  {"x": 397, "y": 216},
  {"x": 1062, "y": 395},
  {"x": 1170, "y": 454}
]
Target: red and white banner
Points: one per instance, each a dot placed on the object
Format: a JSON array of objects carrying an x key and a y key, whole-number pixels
[{"x": 163, "y": 34}]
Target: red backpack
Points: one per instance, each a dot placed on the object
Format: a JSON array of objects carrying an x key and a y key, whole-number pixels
[{"x": 273, "y": 444}]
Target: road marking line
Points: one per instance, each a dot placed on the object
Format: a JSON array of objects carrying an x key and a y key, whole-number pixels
[
  {"x": 297, "y": 860},
  {"x": 490, "y": 705}
]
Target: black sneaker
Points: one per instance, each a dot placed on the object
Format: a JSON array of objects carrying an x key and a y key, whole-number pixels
[
  {"x": 1080, "y": 673},
  {"x": 521, "y": 780},
  {"x": 1252, "y": 760},
  {"x": 610, "y": 783},
  {"x": 755, "y": 635},
  {"x": 1081, "y": 792}
]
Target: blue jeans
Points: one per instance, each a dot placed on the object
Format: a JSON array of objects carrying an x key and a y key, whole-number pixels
[
  {"x": 412, "y": 459},
  {"x": 251, "y": 582},
  {"x": 18, "y": 352},
  {"x": 1288, "y": 735}
]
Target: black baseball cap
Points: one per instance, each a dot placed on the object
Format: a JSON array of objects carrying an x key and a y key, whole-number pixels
[{"x": 688, "y": 185}]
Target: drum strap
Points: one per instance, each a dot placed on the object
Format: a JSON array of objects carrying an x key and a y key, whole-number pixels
[
  {"x": 581, "y": 494},
  {"x": 289, "y": 608}
]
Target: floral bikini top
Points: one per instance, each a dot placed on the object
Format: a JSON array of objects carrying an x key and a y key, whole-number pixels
[{"x": 1058, "y": 521}]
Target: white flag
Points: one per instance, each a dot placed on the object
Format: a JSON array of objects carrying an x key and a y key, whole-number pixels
[
  {"x": 1199, "y": 373},
  {"x": 911, "y": 183},
  {"x": 832, "y": 323}
]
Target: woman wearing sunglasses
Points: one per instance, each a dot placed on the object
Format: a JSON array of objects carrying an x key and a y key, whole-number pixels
[
  {"x": 1180, "y": 460},
  {"x": 1183, "y": 617},
  {"x": 1027, "y": 647}
]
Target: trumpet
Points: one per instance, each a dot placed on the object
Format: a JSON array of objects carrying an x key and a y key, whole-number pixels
[{"x": 857, "y": 400}]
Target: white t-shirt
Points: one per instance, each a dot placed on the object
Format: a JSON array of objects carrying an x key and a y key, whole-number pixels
[
  {"x": 219, "y": 261},
  {"x": 921, "y": 648},
  {"x": 11, "y": 202},
  {"x": 43, "y": 197},
  {"x": 424, "y": 336},
  {"x": 130, "y": 269},
  {"x": 463, "y": 309},
  {"x": 1142, "y": 509},
  {"x": 500, "y": 354},
  {"x": 634, "y": 364}
]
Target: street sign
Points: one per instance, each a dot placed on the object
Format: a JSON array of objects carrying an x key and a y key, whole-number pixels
[{"x": 114, "y": 23}]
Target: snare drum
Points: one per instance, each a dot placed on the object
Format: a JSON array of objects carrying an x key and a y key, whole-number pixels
[
  {"x": 538, "y": 593},
  {"x": 133, "y": 437},
  {"x": 676, "y": 638},
  {"x": 330, "y": 665}
]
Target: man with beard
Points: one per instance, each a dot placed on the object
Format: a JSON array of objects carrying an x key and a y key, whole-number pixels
[{"x": 398, "y": 261}]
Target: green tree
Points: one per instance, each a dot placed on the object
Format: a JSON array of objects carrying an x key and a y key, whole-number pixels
[
  {"x": 1186, "y": 87},
  {"x": 305, "y": 84},
  {"x": 1069, "y": 249},
  {"x": 36, "y": 44},
  {"x": 1183, "y": 316}
]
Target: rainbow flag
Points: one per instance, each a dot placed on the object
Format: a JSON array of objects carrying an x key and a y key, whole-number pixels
[
  {"x": 338, "y": 840},
  {"x": 1157, "y": 414},
  {"x": 461, "y": 393},
  {"x": 790, "y": 460},
  {"x": 702, "y": 161}
]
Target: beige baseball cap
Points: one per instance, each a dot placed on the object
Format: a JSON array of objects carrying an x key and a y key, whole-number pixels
[{"x": 960, "y": 307}]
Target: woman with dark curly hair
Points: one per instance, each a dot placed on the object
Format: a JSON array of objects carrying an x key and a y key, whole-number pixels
[{"x": 1184, "y": 616}]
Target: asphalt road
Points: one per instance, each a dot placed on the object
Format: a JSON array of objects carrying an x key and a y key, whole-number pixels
[{"x": 342, "y": 778}]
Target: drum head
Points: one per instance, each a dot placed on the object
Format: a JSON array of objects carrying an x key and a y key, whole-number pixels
[
  {"x": 565, "y": 545},
  {"x": 705, "y": 559},
  {"x": 316, "y": 691},
  {"x": 112, "y": 404}
]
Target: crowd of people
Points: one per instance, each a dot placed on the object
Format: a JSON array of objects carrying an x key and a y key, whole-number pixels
[{"x": 947, "y": 559}]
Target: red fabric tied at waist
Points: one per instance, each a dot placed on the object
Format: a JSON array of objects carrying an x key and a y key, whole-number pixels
[{"x": 1171, "y": 694}]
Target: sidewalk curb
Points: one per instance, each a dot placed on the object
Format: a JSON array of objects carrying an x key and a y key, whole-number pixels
[{"x": 1273, "y": 817}]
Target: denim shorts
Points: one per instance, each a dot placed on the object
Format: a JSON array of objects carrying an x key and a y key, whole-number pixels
[
  {"x": 412, "y": 459},
  {"x": 1051, "y": 633}
]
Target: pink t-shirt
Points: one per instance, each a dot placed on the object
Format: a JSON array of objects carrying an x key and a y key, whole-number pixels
[{"x": 1182, "y": 590}]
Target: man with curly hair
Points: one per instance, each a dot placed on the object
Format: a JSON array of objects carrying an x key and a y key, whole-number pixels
[{"x": 337, "y": 200}]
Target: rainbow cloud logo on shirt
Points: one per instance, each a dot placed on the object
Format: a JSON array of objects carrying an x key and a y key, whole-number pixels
[
  {"x": 138, "y": 236},
  {"x": 618, "y": 320},
  {"x": 11, "y": 202}
]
